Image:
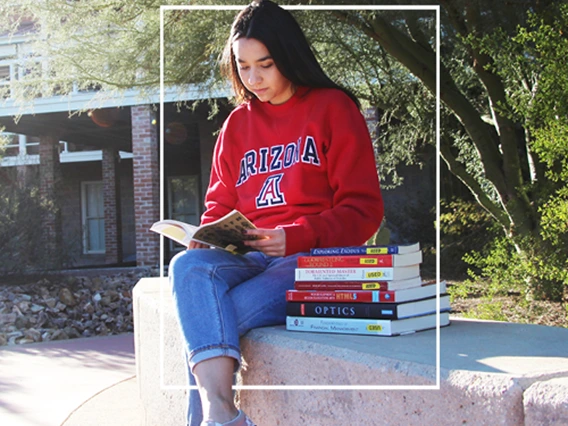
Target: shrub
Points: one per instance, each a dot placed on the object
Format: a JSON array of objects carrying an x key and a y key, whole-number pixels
[
  {"x": 22, "y": 249},
  {"x": 464, "y": 226}
]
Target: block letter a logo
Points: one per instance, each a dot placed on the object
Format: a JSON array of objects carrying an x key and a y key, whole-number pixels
[{"x": 270, "y": 194}]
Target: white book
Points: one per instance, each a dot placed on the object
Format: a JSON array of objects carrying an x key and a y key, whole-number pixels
[
  {"x": 226, "y": 233},
  {"x": 357, "y": 274},
  {"x": 369, "y": 327}
]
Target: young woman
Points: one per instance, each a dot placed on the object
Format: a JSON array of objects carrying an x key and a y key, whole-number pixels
[{"x": 296, "y": 158}]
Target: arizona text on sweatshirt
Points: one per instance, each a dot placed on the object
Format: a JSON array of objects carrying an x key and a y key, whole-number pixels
[{"x": 306, "y": 166}]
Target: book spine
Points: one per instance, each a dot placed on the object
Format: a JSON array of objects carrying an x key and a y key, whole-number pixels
[
  {"x": 355, "y": 261},
  {"x": 343, "y": 310},
  {"x": 340, "y": 296},
  {"x": 349, "y": 251},
  {"x": 342, "y": 326},
  {"x": 344, "y": 274},
  {"x": 342, "y": 285}
]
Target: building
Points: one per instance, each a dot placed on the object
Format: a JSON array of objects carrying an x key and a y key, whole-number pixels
[{"x": 102, "y": 166}]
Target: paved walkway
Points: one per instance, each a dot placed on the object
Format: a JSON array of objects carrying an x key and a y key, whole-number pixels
[{"x": 69, "y": 383}]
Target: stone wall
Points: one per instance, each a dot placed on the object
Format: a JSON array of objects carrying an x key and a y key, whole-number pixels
[{"x": 491, "y": 373}]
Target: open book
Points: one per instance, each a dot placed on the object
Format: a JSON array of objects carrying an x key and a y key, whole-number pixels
[{"x": 226, "y": 233}]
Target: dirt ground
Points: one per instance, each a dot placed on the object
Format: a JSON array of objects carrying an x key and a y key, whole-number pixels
[{"x": 513, "y": 308}]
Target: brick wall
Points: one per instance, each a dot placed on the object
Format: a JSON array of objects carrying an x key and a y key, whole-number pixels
[
  {"x": 111, "y": 191},
  {"x": 146, "y": 177},
  {"x": 128, "y": 228},
  {"x": 70, "y": 191},
  {"x": 50, "y": 180}
]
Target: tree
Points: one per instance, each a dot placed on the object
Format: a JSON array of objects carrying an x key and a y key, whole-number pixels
[
  {"x": 97, "y": 42},
  {"x": 524, "y": 75},
  {"x": 490, "y": 95},
  {"x": 499, "y": 98}
]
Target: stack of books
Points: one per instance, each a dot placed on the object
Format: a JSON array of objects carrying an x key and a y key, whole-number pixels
[{"x": 370, "y": 290}]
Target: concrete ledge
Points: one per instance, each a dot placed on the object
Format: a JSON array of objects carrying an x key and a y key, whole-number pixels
[
  {"x": 546, "y": 403},
  {"x": 160, "y": 360},
  {"x": 491, "y": 373}
]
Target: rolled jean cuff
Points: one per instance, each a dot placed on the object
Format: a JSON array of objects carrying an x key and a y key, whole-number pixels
[{"x": 209, "y": 352}]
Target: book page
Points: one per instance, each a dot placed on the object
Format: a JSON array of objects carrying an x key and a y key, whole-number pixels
[
  {"x": 227, "y": 233},
  {"x": 178, "y": 231}
]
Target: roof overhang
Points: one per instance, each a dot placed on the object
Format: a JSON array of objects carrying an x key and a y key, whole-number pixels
[{"x": 89, "y": 118}]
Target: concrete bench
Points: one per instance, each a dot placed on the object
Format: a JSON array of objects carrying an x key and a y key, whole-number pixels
[{"x": 491, "y": 373}]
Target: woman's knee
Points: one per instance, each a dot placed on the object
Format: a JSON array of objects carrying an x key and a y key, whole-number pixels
[
  {"x": 177, "y": 264},
  {"x": 185, "y": 260},
  {"x": 180, "y": 268},
  {"x": 190, "y": 263}
]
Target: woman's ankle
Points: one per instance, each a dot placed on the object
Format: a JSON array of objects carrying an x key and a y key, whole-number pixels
[{"x": 220, "y": 410}]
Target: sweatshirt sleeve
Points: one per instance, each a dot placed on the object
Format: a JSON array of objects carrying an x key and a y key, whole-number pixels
[
  {"x": 221, "y": 197},
  {"x": 357, "y": 208}
]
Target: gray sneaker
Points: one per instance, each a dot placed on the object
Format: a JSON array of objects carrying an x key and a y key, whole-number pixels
[
  {"x": 241, "y": 420},
  {"x": 248, "y": 422}
]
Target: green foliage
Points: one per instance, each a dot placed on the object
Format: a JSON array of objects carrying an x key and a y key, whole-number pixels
[
  {"x": 193, "y": 44},
  {"x": 464, "y": 226},
  {"x": 551, "y": 143},
  {"x": 114, "y": 45},
  {"x": 21, "y": 248},
  {"x": 498, "y": 266},
  {"x": 406, "y": 108},
  {"x": 3, "y": 143},
  {"x": 530, "y": 63},
  {"x": 488, "y": 310},
  {"x": 539, "y": 271},
  {"x": 514, "y": 308}
]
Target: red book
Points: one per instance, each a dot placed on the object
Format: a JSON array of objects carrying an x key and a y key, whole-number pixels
[
  {"x": 358, "y": 285},
  {"x": 366, "y": 260},
  {"x": 365, "y": 296}
]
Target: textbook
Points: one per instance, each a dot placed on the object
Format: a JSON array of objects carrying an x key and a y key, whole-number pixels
[
  {"x": 226, "y": 233},
  {"x": 357, "y": 274},
  {"x": 368, "y": 310},
  {"x": 358, "y": 285},
  {"x": 358, "y": 250},
  {"x": 359, "y": 261},
  {"x": 376, "y": 327},
  {"x": 365, "y": 296}
]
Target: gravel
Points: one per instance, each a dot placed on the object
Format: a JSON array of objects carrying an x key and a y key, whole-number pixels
[{"x": 82, "y": 304}]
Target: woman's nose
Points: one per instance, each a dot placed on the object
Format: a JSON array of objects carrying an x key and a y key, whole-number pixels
[{"x": 254, "y": 77}]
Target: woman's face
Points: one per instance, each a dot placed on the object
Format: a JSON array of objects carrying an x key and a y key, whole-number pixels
[{"x": 259, "y": 73}]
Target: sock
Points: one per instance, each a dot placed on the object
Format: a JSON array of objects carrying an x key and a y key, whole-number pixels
[{"x": 237, "y": 420}]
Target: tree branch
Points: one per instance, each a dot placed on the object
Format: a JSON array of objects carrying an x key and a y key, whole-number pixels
[
  {"x": 460, "y": 172},
  {"x": 422, "y": 64},
  {"x": 508, "y": 137}
]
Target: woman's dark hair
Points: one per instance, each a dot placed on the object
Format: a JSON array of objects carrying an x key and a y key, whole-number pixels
[{"x": 277, "y": 29}]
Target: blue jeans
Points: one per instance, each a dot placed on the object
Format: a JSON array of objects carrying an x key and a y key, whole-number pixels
[{"x": 219, "y": 297}]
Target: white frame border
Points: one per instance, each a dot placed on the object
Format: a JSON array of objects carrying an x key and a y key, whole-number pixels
[{"x": 435, "y": 8}]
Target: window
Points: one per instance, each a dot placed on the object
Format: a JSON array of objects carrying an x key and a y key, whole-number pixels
[
  {"x": 21, "y": 144},
  {"x": 5, "y": 77},
  {"x": 13, "y": 144},
  {"x": 183, "y": 201},
  {"x": 93, "y": 217}
]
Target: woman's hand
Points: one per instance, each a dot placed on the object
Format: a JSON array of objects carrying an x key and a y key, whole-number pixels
[
  {"x": 273, "y": 242},
  {"x": 195, "y": 245}
]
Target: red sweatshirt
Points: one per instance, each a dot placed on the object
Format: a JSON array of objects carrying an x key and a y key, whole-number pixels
[{"x": 307, "y": 166}]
